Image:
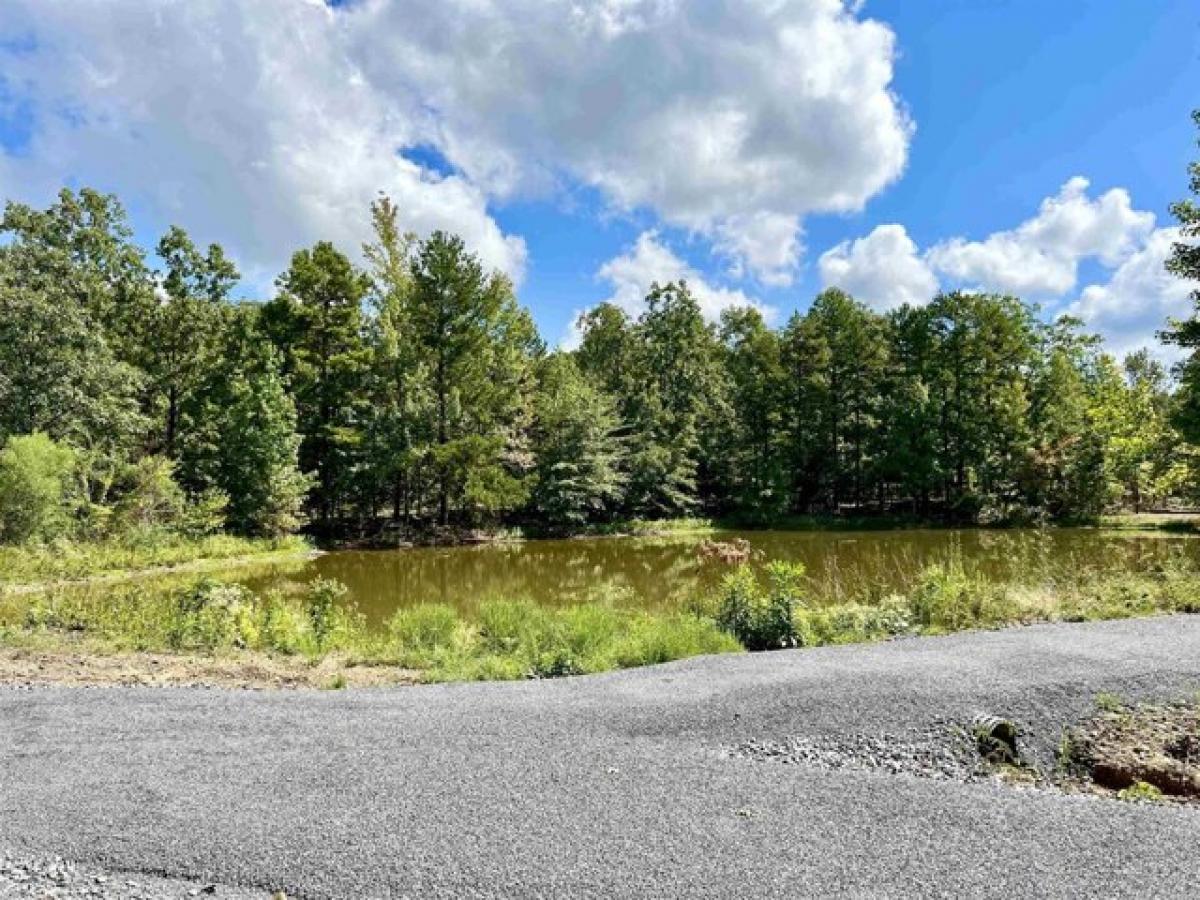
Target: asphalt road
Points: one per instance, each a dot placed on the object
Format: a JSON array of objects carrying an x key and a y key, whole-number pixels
[{"x": 606, "y": 786}]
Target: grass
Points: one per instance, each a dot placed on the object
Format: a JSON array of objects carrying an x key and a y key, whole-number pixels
[
  {"x": 1171, "y": 522},
  {"x": 754, "y": 608},
  {"x": 517, "y": 639},
  {"x": 652, "y": 527},
  {"x": 944, "y": 598},
  {"x": 506, "y": 640},
  {"x": 75, "y": 561}
]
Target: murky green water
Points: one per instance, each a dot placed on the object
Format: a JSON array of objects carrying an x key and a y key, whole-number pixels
[{"x": 659, "y": 572}]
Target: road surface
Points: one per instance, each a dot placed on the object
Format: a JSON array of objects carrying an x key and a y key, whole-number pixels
[{"x": 616, "y": 785}]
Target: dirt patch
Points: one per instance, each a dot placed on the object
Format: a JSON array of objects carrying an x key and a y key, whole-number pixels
[
  {"x": 1149, "y": 750},
  {"x": 34, "y": 667},
  {"x": 1145, "y": 752}
]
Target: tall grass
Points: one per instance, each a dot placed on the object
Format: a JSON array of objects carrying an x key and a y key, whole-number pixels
[
  {"x": 505, "y": 640},
  {"x": 944, "y": 597},
  {"x": 73, "y": 560},
  {"x": 205, "y": 617},
  {"x": 519, "y": 639},
  {"x": 512, "y": 639}
]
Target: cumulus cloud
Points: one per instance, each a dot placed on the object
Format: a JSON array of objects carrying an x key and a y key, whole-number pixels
[
  {"x": 732, "y": 119},
  {"x": 1040, "y": 257},
  {"x": 1139, "y": 297},
  {"x": 883, "y": 269},
  {"x": 246, "y": 122},
  {"x": 1037, "y": 260},
  {"x": 273, "y": 122},
  {"x": 650, "y": 261}
]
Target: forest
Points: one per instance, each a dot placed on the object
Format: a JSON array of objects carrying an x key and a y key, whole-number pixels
[{"x": 404, "y": 389}]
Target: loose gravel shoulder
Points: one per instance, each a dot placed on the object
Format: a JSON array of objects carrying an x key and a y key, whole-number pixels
[
  {"x": 53, "y": 878},
  {"x": 659, "y": 782},
  {"x": 944, "y": 751}
]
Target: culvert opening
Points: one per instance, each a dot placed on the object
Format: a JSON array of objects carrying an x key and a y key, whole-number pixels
[{"x": 996, "y": 739}]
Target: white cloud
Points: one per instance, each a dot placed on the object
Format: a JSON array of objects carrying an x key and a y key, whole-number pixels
[
  {"x": 1036, "y": 260},
  {"x": 273, "y": 122},
  {"x": 729, "y": 119},
  {"x": 647, "y": 263},
  {"x": 1040, "y": 257},
  {"x": 1138, "y": 298},
  {"x": 650, "y": 261},
  {"x": 248, "y": 123},
  {"x": 768, "y": 244},
  {"x": 883, "y": 269}
]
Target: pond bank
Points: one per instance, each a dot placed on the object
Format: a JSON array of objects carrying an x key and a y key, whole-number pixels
[
  {"x": 228, "y": 635},
  {"x": 33, "y": 569}
]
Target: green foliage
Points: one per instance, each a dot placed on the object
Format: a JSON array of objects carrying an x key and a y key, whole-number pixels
[
  {"x": 316, "y": 322},
  {"x": 35, "y": 489},
  {"x": 213, "y": 616},
  {"x": 246, "y": 444},
  {"x": 753, "y": 466},
  {"x": 417, "y": 386},
  {"x": 150, "y": 498},
  {"x": 852, "y": 623},
  {"x": 423, "y": 629},
  {"x": 66, "y": 560},
  {"x": 761, "y": 618},
  {"x": 506, "y": 640},
  {"x": 476, "y": 346},
  {"x": 580, "y": 458},
  {"x": 205, "y": 617},
  {"x": 947, "y": 598},
  {"x": 1140, "y": 792},
  {"x": 71, "y": 290},
  {"x": 331, "y": 622}
]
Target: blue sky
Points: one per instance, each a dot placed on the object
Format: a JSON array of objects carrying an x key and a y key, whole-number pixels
[{"x": 892, "y": 150}]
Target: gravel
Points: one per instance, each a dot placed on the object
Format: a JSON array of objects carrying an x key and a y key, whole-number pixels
[
  {"x": 943, "y": 751},
  {"x": 24, "y": 877},
  {"x": 618, "y": 785}
]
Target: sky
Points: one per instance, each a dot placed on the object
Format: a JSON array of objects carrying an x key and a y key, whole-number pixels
[{"x": 763, "y": 149}]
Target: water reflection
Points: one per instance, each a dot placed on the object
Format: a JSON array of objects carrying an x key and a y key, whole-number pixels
[{"x": 660, "y": 572}]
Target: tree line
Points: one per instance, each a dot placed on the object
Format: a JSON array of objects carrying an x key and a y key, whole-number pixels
[{"x": 414, "y": 388}]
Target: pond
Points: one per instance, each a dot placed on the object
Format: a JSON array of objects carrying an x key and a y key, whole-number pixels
[{"x": 657, "y": 573}]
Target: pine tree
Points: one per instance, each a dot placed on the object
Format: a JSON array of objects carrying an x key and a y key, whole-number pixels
[
  {"x": 317, "y": 321},
  {"x": 579, "y": 455}
]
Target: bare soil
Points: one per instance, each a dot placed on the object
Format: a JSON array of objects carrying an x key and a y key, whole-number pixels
[
  {"x": 84, "y": 667},
  {"x": 1151, "y": 744}
]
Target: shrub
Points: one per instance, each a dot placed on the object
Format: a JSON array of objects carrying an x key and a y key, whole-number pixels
[
  {"x": 204, "y": 515},
  {"x": 214, "y": 616},
  {"x": 151, "y": 500},
  {"x": 331, "y": 622},
  {"x": 35, "y": 477},
  {"x": 761, "y": 619},
  {"x": 946, "y": 598},
  {"x": 284, "y": 627},
  {"x": 1140, "y": 792},
  {"x": 851, "y": 623}
]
